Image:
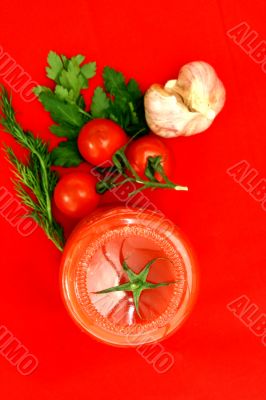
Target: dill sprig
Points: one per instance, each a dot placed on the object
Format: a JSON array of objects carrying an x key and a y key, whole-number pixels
[{"x": 36, "y": 175}]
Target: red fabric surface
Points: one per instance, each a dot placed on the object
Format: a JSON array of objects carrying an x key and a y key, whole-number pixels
[{"x": 216, "y": 355}]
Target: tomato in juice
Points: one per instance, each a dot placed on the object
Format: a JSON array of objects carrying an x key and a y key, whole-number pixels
[{"x": 92, "y": 261}]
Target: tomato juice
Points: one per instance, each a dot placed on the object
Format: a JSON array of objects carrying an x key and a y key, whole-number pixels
[{"x": 92, "y": 261}]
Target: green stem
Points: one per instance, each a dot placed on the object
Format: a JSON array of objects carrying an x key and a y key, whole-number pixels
[
  {"x": 45, "y": 186},
  {"x": 122, "y": 167},
  {"x": 137, "y": 282},
  {"x": 146, "y": 185},
  {"x": 114, "y": 185},
  {"x": 85, "y": 113}
]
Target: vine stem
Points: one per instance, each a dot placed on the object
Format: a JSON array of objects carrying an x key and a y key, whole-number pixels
[
  {"x": 122, "y": 167},
  {"x": 148, "y": 184}
]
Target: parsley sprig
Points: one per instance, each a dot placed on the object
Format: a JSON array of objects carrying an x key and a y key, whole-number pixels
[
  {"x": 118, "y": 100},
  {"x": 35, "y": 181},
  {"x": 66, "y": 104},
  {"x": 121, "y": 101}
]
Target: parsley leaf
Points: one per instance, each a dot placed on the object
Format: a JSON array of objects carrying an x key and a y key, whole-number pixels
[
  {"x": 65, "y": 130},
  {"x": 55, "y": 66},
  {"x": 114, "y": 81},
  {"x": 61, "y": 112},
  {"x": 134, "y": 90},
  {"x": 127, "y": 104},
  {"x": 65, "y": 102},
  {"x": 61, "y": 92},
  {"x": 66, "y": 154},
  {"x": 100, "y": 104},
  {"x": 89, "y": 70}
]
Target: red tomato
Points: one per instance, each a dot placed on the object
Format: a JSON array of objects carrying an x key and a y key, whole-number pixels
[
  {"x": 75, "y": 194},
  {"x": 92, "y": 261},
  {"x": 99, "y": 139},
  {"x": 141, "y": 149}
]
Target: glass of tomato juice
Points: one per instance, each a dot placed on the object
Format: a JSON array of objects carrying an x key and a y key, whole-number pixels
[{"x": 93, "y": 261}]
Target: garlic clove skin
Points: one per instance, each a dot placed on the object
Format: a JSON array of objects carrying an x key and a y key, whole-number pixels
[
  {"x": 185, "y": 106},
  {"x": 201, "y": 88},
  {"x": 167, "y": 115}
]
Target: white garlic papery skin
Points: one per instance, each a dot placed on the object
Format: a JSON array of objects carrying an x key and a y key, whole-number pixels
[{"x": 185, "y": 106}]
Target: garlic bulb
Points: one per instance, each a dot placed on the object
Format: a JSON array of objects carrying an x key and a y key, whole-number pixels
[{"x": 185, "y": 106}]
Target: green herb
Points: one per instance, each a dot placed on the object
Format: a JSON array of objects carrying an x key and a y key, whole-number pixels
[
  {"x": 65, "y": 103},
  {"x": 123, "y": 168},
  {"x": 70, "y": 77},
  {"x": 137, "y": 283},
  {"x": 100, "y": 105},
  {"x": 67, "y": 116},
  {"x": 122, "y": 102},
  {"x": 36, "y": 175},
  {"x": 66, "y": 154}
]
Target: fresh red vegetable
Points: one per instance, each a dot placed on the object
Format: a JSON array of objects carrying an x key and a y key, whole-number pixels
[
  {"x": 138, "y": 152},
  {"x": 99, "y": 139},
  {"x": 75, "y": 194}
]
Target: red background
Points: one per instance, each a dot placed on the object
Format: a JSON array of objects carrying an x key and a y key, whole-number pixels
[{"x": 216, "y": 356}]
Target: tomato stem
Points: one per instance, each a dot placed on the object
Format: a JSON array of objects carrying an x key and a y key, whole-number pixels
[
  {"x": 122, "y": 167},
  {"x": 137, "y": 282}
]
